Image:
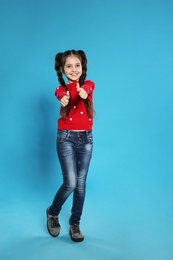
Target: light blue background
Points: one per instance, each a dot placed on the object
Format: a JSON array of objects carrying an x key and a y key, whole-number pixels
[{"x": 128, "y": 211}]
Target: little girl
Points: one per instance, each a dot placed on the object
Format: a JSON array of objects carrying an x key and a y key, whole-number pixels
[{"x": 74, "y": 138}]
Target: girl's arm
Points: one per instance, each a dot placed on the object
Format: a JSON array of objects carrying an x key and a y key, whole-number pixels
[
  {"x": 60, "y": 92},
  {"x": 88, "y": 86}
]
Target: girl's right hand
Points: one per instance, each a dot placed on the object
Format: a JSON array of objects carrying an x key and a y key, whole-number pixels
[{"x": 65, "y": 100}]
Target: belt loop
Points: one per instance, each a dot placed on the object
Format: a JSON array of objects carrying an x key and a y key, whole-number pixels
[{"x": 68, "y": 133}]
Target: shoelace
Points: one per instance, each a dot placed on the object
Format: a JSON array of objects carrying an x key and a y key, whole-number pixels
[
  {"x": 54, "y": 222},
  {"x": 75, "y": 228}
]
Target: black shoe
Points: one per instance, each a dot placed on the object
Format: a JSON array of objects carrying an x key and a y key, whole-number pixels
[
  {"x": 53, "y": 225},
  {"x": 75, "y": 233}
]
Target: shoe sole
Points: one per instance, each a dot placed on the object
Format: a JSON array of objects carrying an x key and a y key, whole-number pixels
[
  {"x": 48, "y": 227},
  {"x": 76, "y": 239}
]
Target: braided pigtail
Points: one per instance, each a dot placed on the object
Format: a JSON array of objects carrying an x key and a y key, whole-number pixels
[
  {"x": 84, "y": 67},
  {"x": 88, "y": 103},
  {"x": 59, "y": 67}
]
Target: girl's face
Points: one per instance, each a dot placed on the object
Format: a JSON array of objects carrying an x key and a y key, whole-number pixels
[{"x": 73, "y": 68}]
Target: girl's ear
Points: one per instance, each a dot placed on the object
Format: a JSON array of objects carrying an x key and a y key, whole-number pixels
[{"x": 61, "y": 70}]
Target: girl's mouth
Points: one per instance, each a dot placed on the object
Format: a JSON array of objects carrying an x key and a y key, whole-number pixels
[{"x": 74, "y": 74}]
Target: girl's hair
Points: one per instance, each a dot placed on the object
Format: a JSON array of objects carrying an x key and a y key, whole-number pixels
[{"x": 60, "y": 60}]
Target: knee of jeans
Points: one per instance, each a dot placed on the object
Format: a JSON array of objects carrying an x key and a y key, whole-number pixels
[{"x": 71, "y": 186}]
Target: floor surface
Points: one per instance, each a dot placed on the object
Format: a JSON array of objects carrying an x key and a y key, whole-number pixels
[{"x": 137, "y": 227}]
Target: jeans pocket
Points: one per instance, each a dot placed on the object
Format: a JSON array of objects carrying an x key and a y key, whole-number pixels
[
  {"x": 90, "y": 137},
  {"x": 61, "y": 136}
]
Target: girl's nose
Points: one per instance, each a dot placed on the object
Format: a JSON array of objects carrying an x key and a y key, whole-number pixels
[{"x": 73, "y": 68}]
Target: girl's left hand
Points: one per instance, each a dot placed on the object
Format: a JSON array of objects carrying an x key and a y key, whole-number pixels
[{"x": 82, "y": 93}]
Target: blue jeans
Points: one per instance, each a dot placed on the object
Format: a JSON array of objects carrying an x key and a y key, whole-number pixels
[{"x": 74, "y": 151}]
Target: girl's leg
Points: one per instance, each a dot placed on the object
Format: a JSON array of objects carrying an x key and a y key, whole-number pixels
[
  {"x": 67, "y": 158},
  {"x": 83, "y": 158}
]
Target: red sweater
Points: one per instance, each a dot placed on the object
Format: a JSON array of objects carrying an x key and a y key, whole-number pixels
[{"x": 78, "y": 118}]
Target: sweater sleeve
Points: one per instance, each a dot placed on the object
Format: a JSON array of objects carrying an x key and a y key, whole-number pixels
[
  {"x": 88, "y": 86},
  {"x": 60, "y": 92}
]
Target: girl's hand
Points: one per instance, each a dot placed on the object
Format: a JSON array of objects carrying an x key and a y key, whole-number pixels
[
  {"x": 65, "y": 100},
  {"x": 82, "y": 93}
]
